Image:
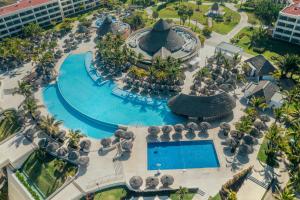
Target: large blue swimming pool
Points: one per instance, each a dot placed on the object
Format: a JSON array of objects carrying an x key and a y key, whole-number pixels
[
  {"x": 182, "y": 155},
  {"x": 95, "y": 109}
]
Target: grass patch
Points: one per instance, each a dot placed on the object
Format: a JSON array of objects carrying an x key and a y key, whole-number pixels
[
  {"x": 252, "y": 19},
  {"x": 45, "y": 173},
  {"x": 9, "y": 124},
  {"x": 170, "y": 11},
  {"x": 216, "y": 197},
  {"x": 273, "y": 48},
  {"x": 226, "y": 27},
  {"x": 261, "y": 156},
  {"x": 111, "y": 194},
  {"x": 188, "y": 196}
]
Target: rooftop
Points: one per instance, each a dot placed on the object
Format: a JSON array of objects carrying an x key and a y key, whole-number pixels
[
  {"x": 262, "y": 65},
  {"x": 265, "y": 89},
  {"x": 227, "y": 47},
  {"x": 293, "y": 9},
  {"x": 20, "y": 6}
]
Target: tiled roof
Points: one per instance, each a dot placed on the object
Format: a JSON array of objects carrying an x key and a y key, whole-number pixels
[
  {"x": 264, "y": 89},
  {"x": 293, "y": 9},
  {"x": 21, "y": 5},
  {"x": 262, "y": 65}
]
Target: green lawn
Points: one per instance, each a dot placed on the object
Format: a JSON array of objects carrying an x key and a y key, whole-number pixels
[
  {"x": 274, "y": 48},
  {"x": 226, "y": 27},
  {"x": 41, "y": 169},
  {"x": 189, "y": 196},
  {"x": 111, "y": 194},
  {"x": 170, "y": 11},
  {"x": 261, "y": 156},
  {"x": 8, "y": 126},
  {"x": 252, "y": 19},
  {"x": 217, "y": 197}
]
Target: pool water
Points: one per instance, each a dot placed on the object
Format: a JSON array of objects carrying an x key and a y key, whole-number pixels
[
  {"x": 83, "y": 104},
  {"x": 182, "y": 155}
]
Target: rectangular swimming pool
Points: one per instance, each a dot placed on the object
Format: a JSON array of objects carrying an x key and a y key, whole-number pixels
[{"x": 182, "y": 155}]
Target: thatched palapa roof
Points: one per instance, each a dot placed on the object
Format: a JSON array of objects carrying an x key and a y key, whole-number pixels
[
  {"x": 161, "y": 35},
  {"x": 215, "y": 106},
  {"x": 108, "y": 26}
]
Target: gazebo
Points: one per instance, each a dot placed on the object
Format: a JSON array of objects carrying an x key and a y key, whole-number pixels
[
  {"x": 228, "y": 50},
  {"x": 206, "y": 108}
]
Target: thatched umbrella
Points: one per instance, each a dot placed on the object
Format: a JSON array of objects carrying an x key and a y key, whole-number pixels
[
  {"x": 192, "y": 126},
  {"x": 259, "y": 124},
  {"x": 225, "y": 127},
  {"x": 62, "y": 152},
  {"x": 249, "y": 140},
  {"x": 61, "y": 134},
  {"x": 204, "y": 126},
  {"x": 106, "y": 142},
  {"x": 127, "y": 146},
  {"x": 255, "y": 132},
  {"x": 167, "y": 180},
  {"x": 166, "y": 129},
  {"x": 153, "y": 130},
  {"x": 85, "y": 145},
  {"x": 245, "y": 149},
  {"x": 178, "y": 128},
  {"x": 264, "y": 118},
  {"x": 29, "y": 134},
  {"x": 128, "y": 135},
  {"x": 52, "y": 147},
  {"x": 152, "y": 182},
  {"x": 119, "y": 133},
  {"x": 136, "y": 182},
  {"x": 236, "y": 134},
  {"x": 73, "y": 155},
  {"x": 231, "y": 142},
  {"x": 83, "y": 161},
  {"x": 43, "y": 143}
]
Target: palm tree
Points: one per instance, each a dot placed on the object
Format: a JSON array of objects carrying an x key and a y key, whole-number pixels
[
  {"x": 50, "y": 125},
  {"x": 59, "y": 165},
  {"x": 288, "y": 63},
  {"x": 198, "y": 2},
  {"x": 30, "y": 107},
  {"x": 190, "y": 13},
  {"x": 278, "y": 114},
  {"x": 24, "y": 88},
  {"x": 74, "y": 137},
  {"x": 182, "y": 193},
  {"x": 231, "y": 195},
  {"x": 286, "y": 194}
]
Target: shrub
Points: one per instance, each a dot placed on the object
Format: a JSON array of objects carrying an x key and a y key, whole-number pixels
[
  {"x": 27, "y": 186},
  {"x": 259, "y": 49},
  {"x": 207, "y": 31},
  {"x": 202, "y": 39}
]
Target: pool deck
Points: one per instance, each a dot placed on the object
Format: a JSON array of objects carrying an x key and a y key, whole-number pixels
[{"x": 102, "y": 172}]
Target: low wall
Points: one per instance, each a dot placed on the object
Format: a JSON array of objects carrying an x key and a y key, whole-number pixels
[{"x": 16, "y": 190}]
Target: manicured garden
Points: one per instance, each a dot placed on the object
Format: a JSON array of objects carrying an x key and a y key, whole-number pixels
[
  {"x": 8, "y": 124},
  {"x": 261, "y": 156},
  {"x": 230, "y": 18},
  {"x": 111, "y": 194},
  {"x": 46, "y": 172},
  {"x": 272, "y": 48}
]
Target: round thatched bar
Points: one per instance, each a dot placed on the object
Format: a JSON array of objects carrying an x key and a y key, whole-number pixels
[
  {"x": 203, "y": 107},
  {"x": 161, "y": 35}
]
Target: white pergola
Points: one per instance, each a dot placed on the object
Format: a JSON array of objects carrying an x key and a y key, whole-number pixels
[{"x": 228, "y": 50}]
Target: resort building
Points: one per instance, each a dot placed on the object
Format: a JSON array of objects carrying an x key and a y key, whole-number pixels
[
  {"x": 266, "y": 90},
  {"x": 206, "y": 108},
  {"x": 164, "y": 40},
  {"x": 287, "y": 27},
  {"x": 261, "y": 68},
  {"x": 44, "y": 12}
]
